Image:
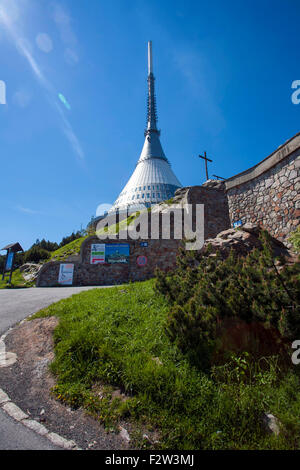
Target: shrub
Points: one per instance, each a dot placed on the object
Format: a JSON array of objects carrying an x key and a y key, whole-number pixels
[
  {"x": 295, "y": 239},
  {"x": 70, "y": 238},
  {"x": 213, "y": 301},
  {"x": 35, "y": 255},
  {"x": 45, "y": 245}
]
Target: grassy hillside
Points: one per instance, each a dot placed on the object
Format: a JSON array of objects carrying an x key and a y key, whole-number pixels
[
  {"x": 116, "y": 228},
  {"x": 70, "y": 249},
  {"x": 115, "y": 339},
  {"x": 73, "y": 248}
]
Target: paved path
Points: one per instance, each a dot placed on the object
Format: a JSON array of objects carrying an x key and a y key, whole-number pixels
[
  {"x": 15, "y": 305},
  {"x": 15, "y": 436}
]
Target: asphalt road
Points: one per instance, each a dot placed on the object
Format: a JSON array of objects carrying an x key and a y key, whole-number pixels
[{"x": 15, "y": 305}]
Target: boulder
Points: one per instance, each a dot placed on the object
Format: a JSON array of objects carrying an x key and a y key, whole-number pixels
[
  {"x": 271, "y": 424},
  {"x": 243, "y": 240},
  {"x": 30, "y": 271},
  {"x": 215, "y": 184}
]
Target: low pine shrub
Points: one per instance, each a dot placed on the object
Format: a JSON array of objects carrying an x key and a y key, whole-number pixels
[
  {"x": 295, "y": 240},
  {"x": 238, "y": 304}
]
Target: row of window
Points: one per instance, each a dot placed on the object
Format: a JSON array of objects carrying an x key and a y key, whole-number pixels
[
  {"x": 148, "y": 195},
  {"x": 149, "y": 188},
  {"x": 144, "y": 188}
]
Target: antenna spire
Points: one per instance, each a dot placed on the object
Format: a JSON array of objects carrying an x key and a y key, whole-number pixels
[
  {"x": 150, "y": 62},
  {"x": 151, "y": 105}
]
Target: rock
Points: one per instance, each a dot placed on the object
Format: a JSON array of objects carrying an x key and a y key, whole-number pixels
[
  {"x": 30, "y": 271},
  {"x": 215, "y": 184},
  {"x": 124, "y": 434},
  {"x": 147, "y": 438},
  {"x": 271, "y": 424},
  {"x": 157, "y": 360},
  {"x": 243, "y": 240}
]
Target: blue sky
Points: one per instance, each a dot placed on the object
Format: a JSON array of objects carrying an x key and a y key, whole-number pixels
[{"x": 224, "y": 71}]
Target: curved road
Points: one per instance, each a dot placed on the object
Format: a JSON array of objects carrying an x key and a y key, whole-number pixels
[{"x": 15, "y": 305}]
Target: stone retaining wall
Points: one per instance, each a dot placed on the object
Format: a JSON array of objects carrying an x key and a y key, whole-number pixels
[
  {"x": 216, "y": 211},
  {"x": 268, "y": 194},
  {"x": 160, "y": 254}
]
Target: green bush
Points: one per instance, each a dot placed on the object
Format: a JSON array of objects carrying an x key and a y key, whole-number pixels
[
  {"x": 248, "y": 296},
  {"x": 295, "y": 239},
  {"x": 35, "y": 255},
  {"x": 70, "y": 238}
]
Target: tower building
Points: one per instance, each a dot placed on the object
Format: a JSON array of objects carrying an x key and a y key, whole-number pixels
[{"x": 153, "y": 180}]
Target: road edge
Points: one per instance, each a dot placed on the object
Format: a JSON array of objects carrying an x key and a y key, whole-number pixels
[{"x": 11, "y": 409}]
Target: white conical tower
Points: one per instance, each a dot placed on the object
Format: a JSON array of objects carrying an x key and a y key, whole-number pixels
[{"x": 153, "y": 180}]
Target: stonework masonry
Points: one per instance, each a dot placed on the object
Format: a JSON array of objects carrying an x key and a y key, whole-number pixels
[
  {"x": 268, "y": 194},
  {"x": 160, "y": 254}
]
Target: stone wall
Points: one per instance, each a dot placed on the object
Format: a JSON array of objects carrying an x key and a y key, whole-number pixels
[
  {"x": 216, "y": 211},
  {"x": 268, "y": 193},
  {"x": 160, "y": 254}
]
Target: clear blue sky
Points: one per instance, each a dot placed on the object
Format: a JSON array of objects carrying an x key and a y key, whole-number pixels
[{"x": 223, "y": 71}]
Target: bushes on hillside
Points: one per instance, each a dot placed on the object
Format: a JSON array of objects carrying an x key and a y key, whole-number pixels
[
  {"x": 45, "y": 245},
  {"x": 35, "y": 255},
  {"x": 71, "y": 238},
  {"x": 233, "y": 304}
]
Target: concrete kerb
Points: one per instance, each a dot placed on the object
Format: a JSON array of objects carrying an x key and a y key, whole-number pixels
[{"x": 18, "y": 415}]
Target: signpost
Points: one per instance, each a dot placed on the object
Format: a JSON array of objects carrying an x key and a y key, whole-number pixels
[
  {"x": 144, "y": 244},
  {"x": 66, "y": 273},
  {"x": 142, "y": 261},
  {"x": 11, "y": 249},
  {"x": 238, "y": 223},
  {"x": 110, "y": 253},
  {"x": 98, "y": 253}
]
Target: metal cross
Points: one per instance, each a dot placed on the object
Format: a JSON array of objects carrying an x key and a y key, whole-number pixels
[{"x": 206, "y": 160}]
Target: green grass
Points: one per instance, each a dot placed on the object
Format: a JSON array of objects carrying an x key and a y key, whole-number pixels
[
  {"x": 72, "y": 248},
  {"x": 17, "y": 281},
  {"x": 115, "y": 338},
  {"x": 116, "y": 228}
]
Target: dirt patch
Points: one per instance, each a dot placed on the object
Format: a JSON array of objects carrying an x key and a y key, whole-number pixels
[{"x": 28, "y": 383}]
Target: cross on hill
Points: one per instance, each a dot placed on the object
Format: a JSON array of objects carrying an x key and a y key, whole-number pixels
[{"x": 206, "y": 160}]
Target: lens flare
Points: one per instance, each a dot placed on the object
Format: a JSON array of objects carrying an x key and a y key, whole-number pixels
[{"x": 64, "y": 101}]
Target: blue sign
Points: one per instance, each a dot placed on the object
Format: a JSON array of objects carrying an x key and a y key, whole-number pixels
[
  {"x": 117, "y": 253},
  {"x": 144, "y": 244},
  {"x": 9, "y": 261},
  {"x": 238, "y": 223}
]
